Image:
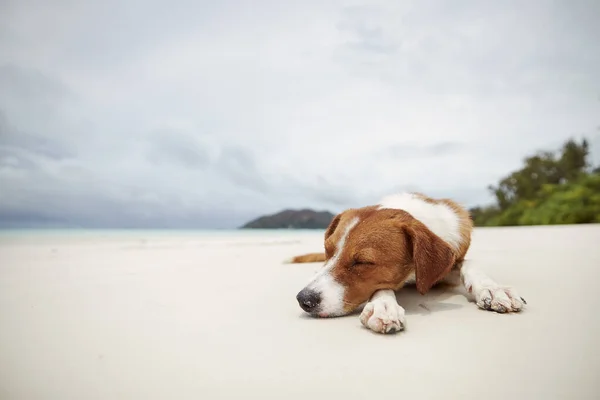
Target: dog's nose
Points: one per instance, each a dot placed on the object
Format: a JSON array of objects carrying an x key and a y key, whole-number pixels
[{"x": 308, "y": 299}]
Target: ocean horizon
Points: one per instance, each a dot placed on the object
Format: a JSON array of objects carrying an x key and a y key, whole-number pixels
[
  {"x": 154, "y": 237},
  {"x": 192, "y": 231}
]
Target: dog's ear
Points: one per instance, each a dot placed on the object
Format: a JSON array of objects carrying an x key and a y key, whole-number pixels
[
  {"x": 432, "y": 257},
  {"x": 333, "y": 225},
  {"x": 329, "y": 244}
]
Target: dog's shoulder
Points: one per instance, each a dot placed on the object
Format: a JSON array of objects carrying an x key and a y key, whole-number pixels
[{"x": 446, "y": 218}]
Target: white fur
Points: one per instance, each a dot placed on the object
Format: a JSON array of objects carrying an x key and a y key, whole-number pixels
[
  {"x": 438, "y": 218},
  {"x": 332, "y": 293},
  {"x": 488, "y": 294},
  {"x": 383, "y": 314},
  {"x": 411, "y": 279}
]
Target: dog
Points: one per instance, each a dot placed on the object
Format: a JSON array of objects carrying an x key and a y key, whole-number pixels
[{"x": 408, "y": 238}]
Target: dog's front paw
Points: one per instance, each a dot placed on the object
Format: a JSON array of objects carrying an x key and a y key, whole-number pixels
[
  {"x": 383, "y": 315},
  {"x": 497, "y": 298}
]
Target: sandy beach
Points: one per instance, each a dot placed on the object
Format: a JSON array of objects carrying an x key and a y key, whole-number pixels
[{"x": 178, "y": 316}]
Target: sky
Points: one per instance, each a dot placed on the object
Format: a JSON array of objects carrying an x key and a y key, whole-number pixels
[{"x": 204, "y": 114}]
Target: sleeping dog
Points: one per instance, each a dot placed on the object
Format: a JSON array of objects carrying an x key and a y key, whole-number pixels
[{"x": 371, "y": 252}]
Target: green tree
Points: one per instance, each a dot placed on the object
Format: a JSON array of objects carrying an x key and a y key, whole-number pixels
[
  {"x": 549, "y": 189},
  {"x": 541, "y": 169},
  {"x": 573, "y": 160}
]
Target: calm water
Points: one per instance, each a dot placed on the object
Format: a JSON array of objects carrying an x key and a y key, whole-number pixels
[{"x": 204, "y": 233}]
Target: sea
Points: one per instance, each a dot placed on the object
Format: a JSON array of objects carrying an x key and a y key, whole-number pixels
[
  {"x": 161, "y": 232},
  {"x": 230, "y": 237}
]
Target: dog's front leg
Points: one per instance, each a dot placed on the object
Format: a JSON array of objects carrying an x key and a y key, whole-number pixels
[
  {"x": 383, "y": 314},
  {"x": 489, "y": 295}
]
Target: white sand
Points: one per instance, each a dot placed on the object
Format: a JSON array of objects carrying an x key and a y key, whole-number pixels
[{"x": 179, "y": 317}]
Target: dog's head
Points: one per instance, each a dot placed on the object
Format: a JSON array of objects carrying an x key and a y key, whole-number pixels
[{"x": 369, "y": 249}]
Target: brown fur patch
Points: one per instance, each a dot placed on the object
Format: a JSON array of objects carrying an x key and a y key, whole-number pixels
[{"x": 432, "y": 258}]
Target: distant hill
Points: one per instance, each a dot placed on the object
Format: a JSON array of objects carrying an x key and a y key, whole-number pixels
[{"x": 292, "y": 219}]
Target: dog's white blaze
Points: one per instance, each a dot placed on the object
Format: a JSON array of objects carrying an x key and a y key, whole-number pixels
[
  {"x": 438, "y": 218},
  {"x": 332, "y": 293}
]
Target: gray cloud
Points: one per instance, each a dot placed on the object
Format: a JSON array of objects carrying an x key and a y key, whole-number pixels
[
  {"x": 31, "y": 85},
  {"x": 366, "y": 34},
  {"x": 177, "y": 148},
  {"x": 239, "y": 166},
  {"x": 211, "y": 113},
  {"x": 416, "y": 151},
  {"x": 15, "y": 142}
]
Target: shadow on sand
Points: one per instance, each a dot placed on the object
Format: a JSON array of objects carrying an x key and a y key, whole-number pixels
[{"x": 433, "y": 301}]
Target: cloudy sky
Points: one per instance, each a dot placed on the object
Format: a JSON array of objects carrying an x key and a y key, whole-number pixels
[{"x": 186, "y": 113}]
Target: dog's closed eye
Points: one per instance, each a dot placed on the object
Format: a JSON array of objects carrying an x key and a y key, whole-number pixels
[{"x": 359, "y": 261}]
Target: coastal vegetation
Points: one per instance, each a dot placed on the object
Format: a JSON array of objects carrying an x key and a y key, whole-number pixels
[{"x": 559, "y": 187}]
